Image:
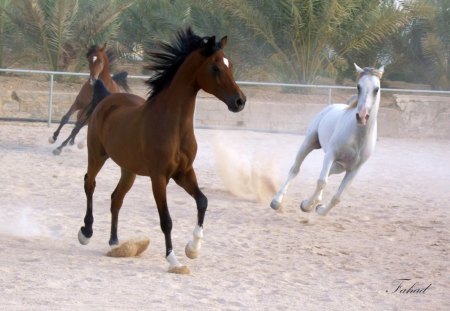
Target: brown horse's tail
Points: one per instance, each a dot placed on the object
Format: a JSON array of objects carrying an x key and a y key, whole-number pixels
[{"x": 121, "y": 79}]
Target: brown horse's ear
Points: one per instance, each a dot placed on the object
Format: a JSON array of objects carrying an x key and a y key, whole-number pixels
[
  {"x": 104, "y": 46},
  {"x": 223, "y": 42},
  {"x": 208, "y": 45}
]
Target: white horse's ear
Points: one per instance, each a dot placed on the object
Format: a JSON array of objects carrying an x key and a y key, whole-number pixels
[
  {"x": 381, "y": 70},
  {"x": 358, "y": 69}
]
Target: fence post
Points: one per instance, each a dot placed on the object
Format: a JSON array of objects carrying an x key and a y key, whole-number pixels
[
  {"x": 50, "y": 101},
  {"x": 329, "y": 96}
]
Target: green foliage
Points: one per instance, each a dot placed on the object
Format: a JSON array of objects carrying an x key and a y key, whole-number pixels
[
  {"x": 420, "y": 53},
  {"x": 57, "y": 32},
  {"x": 285, "y": 40}
]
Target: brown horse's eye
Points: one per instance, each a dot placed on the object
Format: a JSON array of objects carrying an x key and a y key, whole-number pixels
[{"x": 215, "y": 69}]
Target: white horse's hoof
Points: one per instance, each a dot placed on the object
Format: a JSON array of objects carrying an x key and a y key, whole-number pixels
[
  {"x": 190, "y": 251},
  {"x": 51, "y": 140},
  {"x": 82, "y": 239},
  {"x": 305, "y": 207},
  {"x": 57, "y": 151},
  {"x": 275, "y": 204},
  {"x": 321, "y": 210}
]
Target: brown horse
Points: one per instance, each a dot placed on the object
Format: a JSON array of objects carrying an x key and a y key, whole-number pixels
[
  {"x": 99, "y": 63},
  {"x": 155, "y": 137}
]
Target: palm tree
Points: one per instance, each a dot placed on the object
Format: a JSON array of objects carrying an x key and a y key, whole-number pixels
[
  {"x": 5, "y": 29},
  {"x": 420, "y": 53},
  {"x": 304, "y": 39},
  {"x": 147, "y": 21},
  {"x": 435, "y": 45},
  {"x": 57, "y": 32}
]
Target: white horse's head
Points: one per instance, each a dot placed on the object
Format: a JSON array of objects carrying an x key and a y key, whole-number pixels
[{"x": 368, "y": 92}]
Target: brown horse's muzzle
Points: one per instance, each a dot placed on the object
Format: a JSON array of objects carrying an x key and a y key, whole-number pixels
[{"x": 237, "y": 103}]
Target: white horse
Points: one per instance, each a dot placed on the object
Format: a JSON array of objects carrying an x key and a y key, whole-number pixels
[{"x": 347, "y": 141}]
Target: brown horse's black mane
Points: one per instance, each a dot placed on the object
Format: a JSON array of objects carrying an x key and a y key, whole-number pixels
[{"x": 166, "y": 61}]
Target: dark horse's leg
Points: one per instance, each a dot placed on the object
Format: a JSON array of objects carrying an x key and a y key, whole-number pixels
[
  {"x": 125, "y": 183},
  {"x": 188, "y": 182},
  {"x": 64, "y": 120},
  {"x": 159, "y": 185},
  {"x": 82, "y": 118},
  {"x": 78, "y": 126},
  {"x": 95, "y": 163}
]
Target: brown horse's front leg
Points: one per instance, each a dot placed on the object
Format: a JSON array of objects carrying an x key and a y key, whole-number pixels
[
  {"x": 64, "y": 121},
  {"x": 188, "y": 182},
  {"x": 159, "y": 192}
]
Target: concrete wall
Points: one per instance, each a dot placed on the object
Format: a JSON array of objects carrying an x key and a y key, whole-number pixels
[{"x": 408, "y": 115}]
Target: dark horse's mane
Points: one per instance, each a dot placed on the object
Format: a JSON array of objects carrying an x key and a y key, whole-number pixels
[{"x": 166, "y": 61}]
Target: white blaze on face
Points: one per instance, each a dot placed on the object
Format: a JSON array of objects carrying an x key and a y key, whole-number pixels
[
  {"x": 226, "y": 62},
  {"x": 94, "y": 59}
]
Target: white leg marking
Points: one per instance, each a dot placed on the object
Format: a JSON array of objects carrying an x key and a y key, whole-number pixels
[
  {"x": 193, "y": 247},
  {"x": 175, "y": 266},
  {"x": 173, "y": 261},
  {"x": 82, "y": 239}
]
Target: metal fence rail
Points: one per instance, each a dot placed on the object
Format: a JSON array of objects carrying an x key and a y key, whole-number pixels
[{"x": 51, "y": 75}]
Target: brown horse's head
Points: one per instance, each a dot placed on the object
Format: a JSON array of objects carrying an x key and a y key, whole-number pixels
[
  {"x": 98, "y": 61},
  {"x": 215, "y": 75},
  {"x": 207, "y": 67}
]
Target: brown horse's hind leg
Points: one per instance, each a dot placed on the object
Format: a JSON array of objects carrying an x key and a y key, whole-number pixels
[
  {"x": 95, "y": 163},
  {"x": 64, "y": 120},
  {"x": 125, "y": 183},
  {"x": 188, "y": 182}
]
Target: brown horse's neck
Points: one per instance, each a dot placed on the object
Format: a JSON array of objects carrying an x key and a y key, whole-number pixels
[
  {"x": 105, "y": 75},
  {"x": 177, "y": 101}
]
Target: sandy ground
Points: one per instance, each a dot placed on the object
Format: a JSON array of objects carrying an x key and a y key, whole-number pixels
[{"x": 393, "y": 223}]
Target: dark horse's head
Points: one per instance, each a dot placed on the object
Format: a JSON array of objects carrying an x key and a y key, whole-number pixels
[
  {"x": 98, "y": 60},
  {"x": 213, "y": 72}
]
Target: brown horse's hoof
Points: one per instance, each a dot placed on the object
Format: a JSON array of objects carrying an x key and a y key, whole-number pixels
[
  {"x": 129, "y": 248},
  {"x": 51, "y": 140},
  {"x": 190, "y": 253},
  {"x": 82, "y": 238},
  {"x": 180, "y": 270}
]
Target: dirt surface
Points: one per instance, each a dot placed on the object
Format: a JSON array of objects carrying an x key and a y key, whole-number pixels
[{"x": 393, "y": 223}]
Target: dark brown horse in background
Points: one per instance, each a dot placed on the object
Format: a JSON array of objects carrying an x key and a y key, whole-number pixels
[
  {"x": 99, "y": 63},
  {"x": 155, "y": 137}
]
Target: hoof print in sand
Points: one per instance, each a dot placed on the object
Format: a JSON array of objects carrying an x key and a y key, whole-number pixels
[
  {"x": 180, "y": 270},
  {"x": 129, "y": 248}
]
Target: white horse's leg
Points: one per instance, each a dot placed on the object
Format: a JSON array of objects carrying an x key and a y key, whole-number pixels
[
  {"x": 192, "y": 248},
  {"x": 323, "y": 210},
  {"x": 308, "y": 204},
  {"x": 309, "y": 144}
]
